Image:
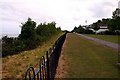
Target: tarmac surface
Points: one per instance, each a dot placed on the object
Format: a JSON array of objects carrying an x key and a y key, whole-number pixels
[{"x": 106, "y": 43}]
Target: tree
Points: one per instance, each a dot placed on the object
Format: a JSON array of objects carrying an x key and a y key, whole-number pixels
[
  {"x": 80, "y": 29},
  {"x": 114, "y": 24},
  {"x": 45, "y": 31},
  {"x": 117, "y": 20},
  {"x": 75, "y": 28},
  {"x": 95, "y": 26},
  {"x": 30, "y": 37},
  {"x": 116, "y": 13},
  {"x": 28, "y": 34}
]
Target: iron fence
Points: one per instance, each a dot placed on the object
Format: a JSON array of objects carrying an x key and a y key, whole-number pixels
[{"x": 47, "y": 64}]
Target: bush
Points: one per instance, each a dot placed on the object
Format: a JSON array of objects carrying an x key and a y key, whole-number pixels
[
  {"x": 89, "y": 32},
  {"x": 18, "y": 46},
  {"x": 109, "y": 33},
  {"x": 30, "y": 37}
]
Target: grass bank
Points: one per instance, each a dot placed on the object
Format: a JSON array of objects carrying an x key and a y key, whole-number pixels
[
  {"x": 110, "y": 38},
  {"x": 15, "y": 66},
  {"x": 88, "y": 59}
]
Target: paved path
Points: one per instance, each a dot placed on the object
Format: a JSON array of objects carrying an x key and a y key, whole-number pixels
[{"x": 109, "y": 44}]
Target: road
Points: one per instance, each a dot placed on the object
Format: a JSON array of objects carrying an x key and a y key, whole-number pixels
[{"x": 106, "y": 43}]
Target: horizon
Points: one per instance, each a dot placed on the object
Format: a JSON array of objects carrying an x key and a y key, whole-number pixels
[{"x": 72, "y": 13}]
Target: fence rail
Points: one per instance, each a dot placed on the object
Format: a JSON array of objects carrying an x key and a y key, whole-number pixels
[{"x": 47, "y": 64}]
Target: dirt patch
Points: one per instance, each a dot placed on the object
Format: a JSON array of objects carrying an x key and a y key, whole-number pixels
[{"x": 61, "y": 69}]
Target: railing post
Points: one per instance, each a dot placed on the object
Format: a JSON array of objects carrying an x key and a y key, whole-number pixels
[
  {"x": 47, "y": 66},
  {"x": 29, "y": 74},
  {"x": 47, "y": 63}
]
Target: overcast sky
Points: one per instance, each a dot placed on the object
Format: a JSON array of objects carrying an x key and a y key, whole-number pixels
[{"x": 66, "y": 13}]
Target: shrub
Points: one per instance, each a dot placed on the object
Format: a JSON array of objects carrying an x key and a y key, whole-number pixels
[{"x": 30, "y": 37}]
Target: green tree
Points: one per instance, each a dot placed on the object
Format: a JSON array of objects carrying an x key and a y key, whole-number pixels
[
  {"x": 114, "y": 24},
  {"x": 80, "y": 29},
  {"x": 28, "y": 34},
  {"x": 95, "y": 26},
  {"x": 74, "y": 30},
  {"x": 45, "y": 31}
]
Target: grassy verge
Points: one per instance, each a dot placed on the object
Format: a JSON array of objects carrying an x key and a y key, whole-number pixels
[
  {"x": 15, "y": 66},
  {"x": 110, "y": 38},
  {"x": 88, "y": 59}
]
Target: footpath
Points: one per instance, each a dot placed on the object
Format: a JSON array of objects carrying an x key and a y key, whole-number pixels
[
  {"x": 109, "y": 44},
  {"x": 83, "y": 58}
]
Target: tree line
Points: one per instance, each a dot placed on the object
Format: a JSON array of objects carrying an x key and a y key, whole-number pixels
[
  {"x": 113, "y": 26},
  {"x": 82, "y": 30},
  {"x": 30, "y": 37}
]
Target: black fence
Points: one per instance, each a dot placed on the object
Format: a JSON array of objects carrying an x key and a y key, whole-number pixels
[{"x": 47, "y": 64}]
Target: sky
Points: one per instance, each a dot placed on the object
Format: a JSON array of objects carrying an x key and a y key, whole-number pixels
[{"x": 66, "y": 13}]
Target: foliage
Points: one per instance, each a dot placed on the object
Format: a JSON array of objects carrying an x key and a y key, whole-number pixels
[
  {"x": 28, "y": 35},
  {"x": 82, "y": 30},
  {"x": 31, "y": 36},
  {"x": 103, "y": 22},
  {"x": 46, "y": 30},
  {"x": 20, "y": 62},
  {"x": 10, "y": 46},
  {"x": 95, "y": 26},
  {"x": 87, "y": 31},
  {"x": 116, "y": 13},
  {"x": 114, "y": 24}
]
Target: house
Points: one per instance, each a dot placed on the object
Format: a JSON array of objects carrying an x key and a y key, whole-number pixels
[{"x": 102, "y": 29}]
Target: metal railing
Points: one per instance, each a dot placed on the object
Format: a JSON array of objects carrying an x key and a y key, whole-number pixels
[{"x": 47, "y": 65}]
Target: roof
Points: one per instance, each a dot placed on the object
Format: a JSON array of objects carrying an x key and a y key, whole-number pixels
[{"x": 102, "y": 30}]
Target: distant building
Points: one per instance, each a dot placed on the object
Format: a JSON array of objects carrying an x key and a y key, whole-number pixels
[
  {"x": 102, "y": 29},
  {"x": 116, "y": 13},
  {"x": 89, "y": 27}
]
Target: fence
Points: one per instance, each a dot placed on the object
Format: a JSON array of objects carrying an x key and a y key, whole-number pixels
[{"x": 47, "y": 65}]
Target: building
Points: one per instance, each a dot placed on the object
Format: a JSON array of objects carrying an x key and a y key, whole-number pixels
[{"x": 102, "y": 29}]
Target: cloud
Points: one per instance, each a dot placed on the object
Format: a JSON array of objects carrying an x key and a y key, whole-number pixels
[
  {"x": 66, "y": 13},
  {"x": 103, "y": 9}
]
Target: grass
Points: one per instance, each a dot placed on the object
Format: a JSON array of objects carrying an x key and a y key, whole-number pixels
[
  {"x": 15, "y": 66},
  {"x": 110, "y": 38},
  {"x": 88, "y": 59}
]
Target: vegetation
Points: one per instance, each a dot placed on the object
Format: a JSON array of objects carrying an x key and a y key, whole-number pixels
[
  {"x": 15, "y": 66},
  {"x": 82, "y": 30},
  {"x": 112, "y": 24},
  {"x": 31, "y": 36},
  {"x": 88, "y": 59},
  {"x": 110, "y": 38}
]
